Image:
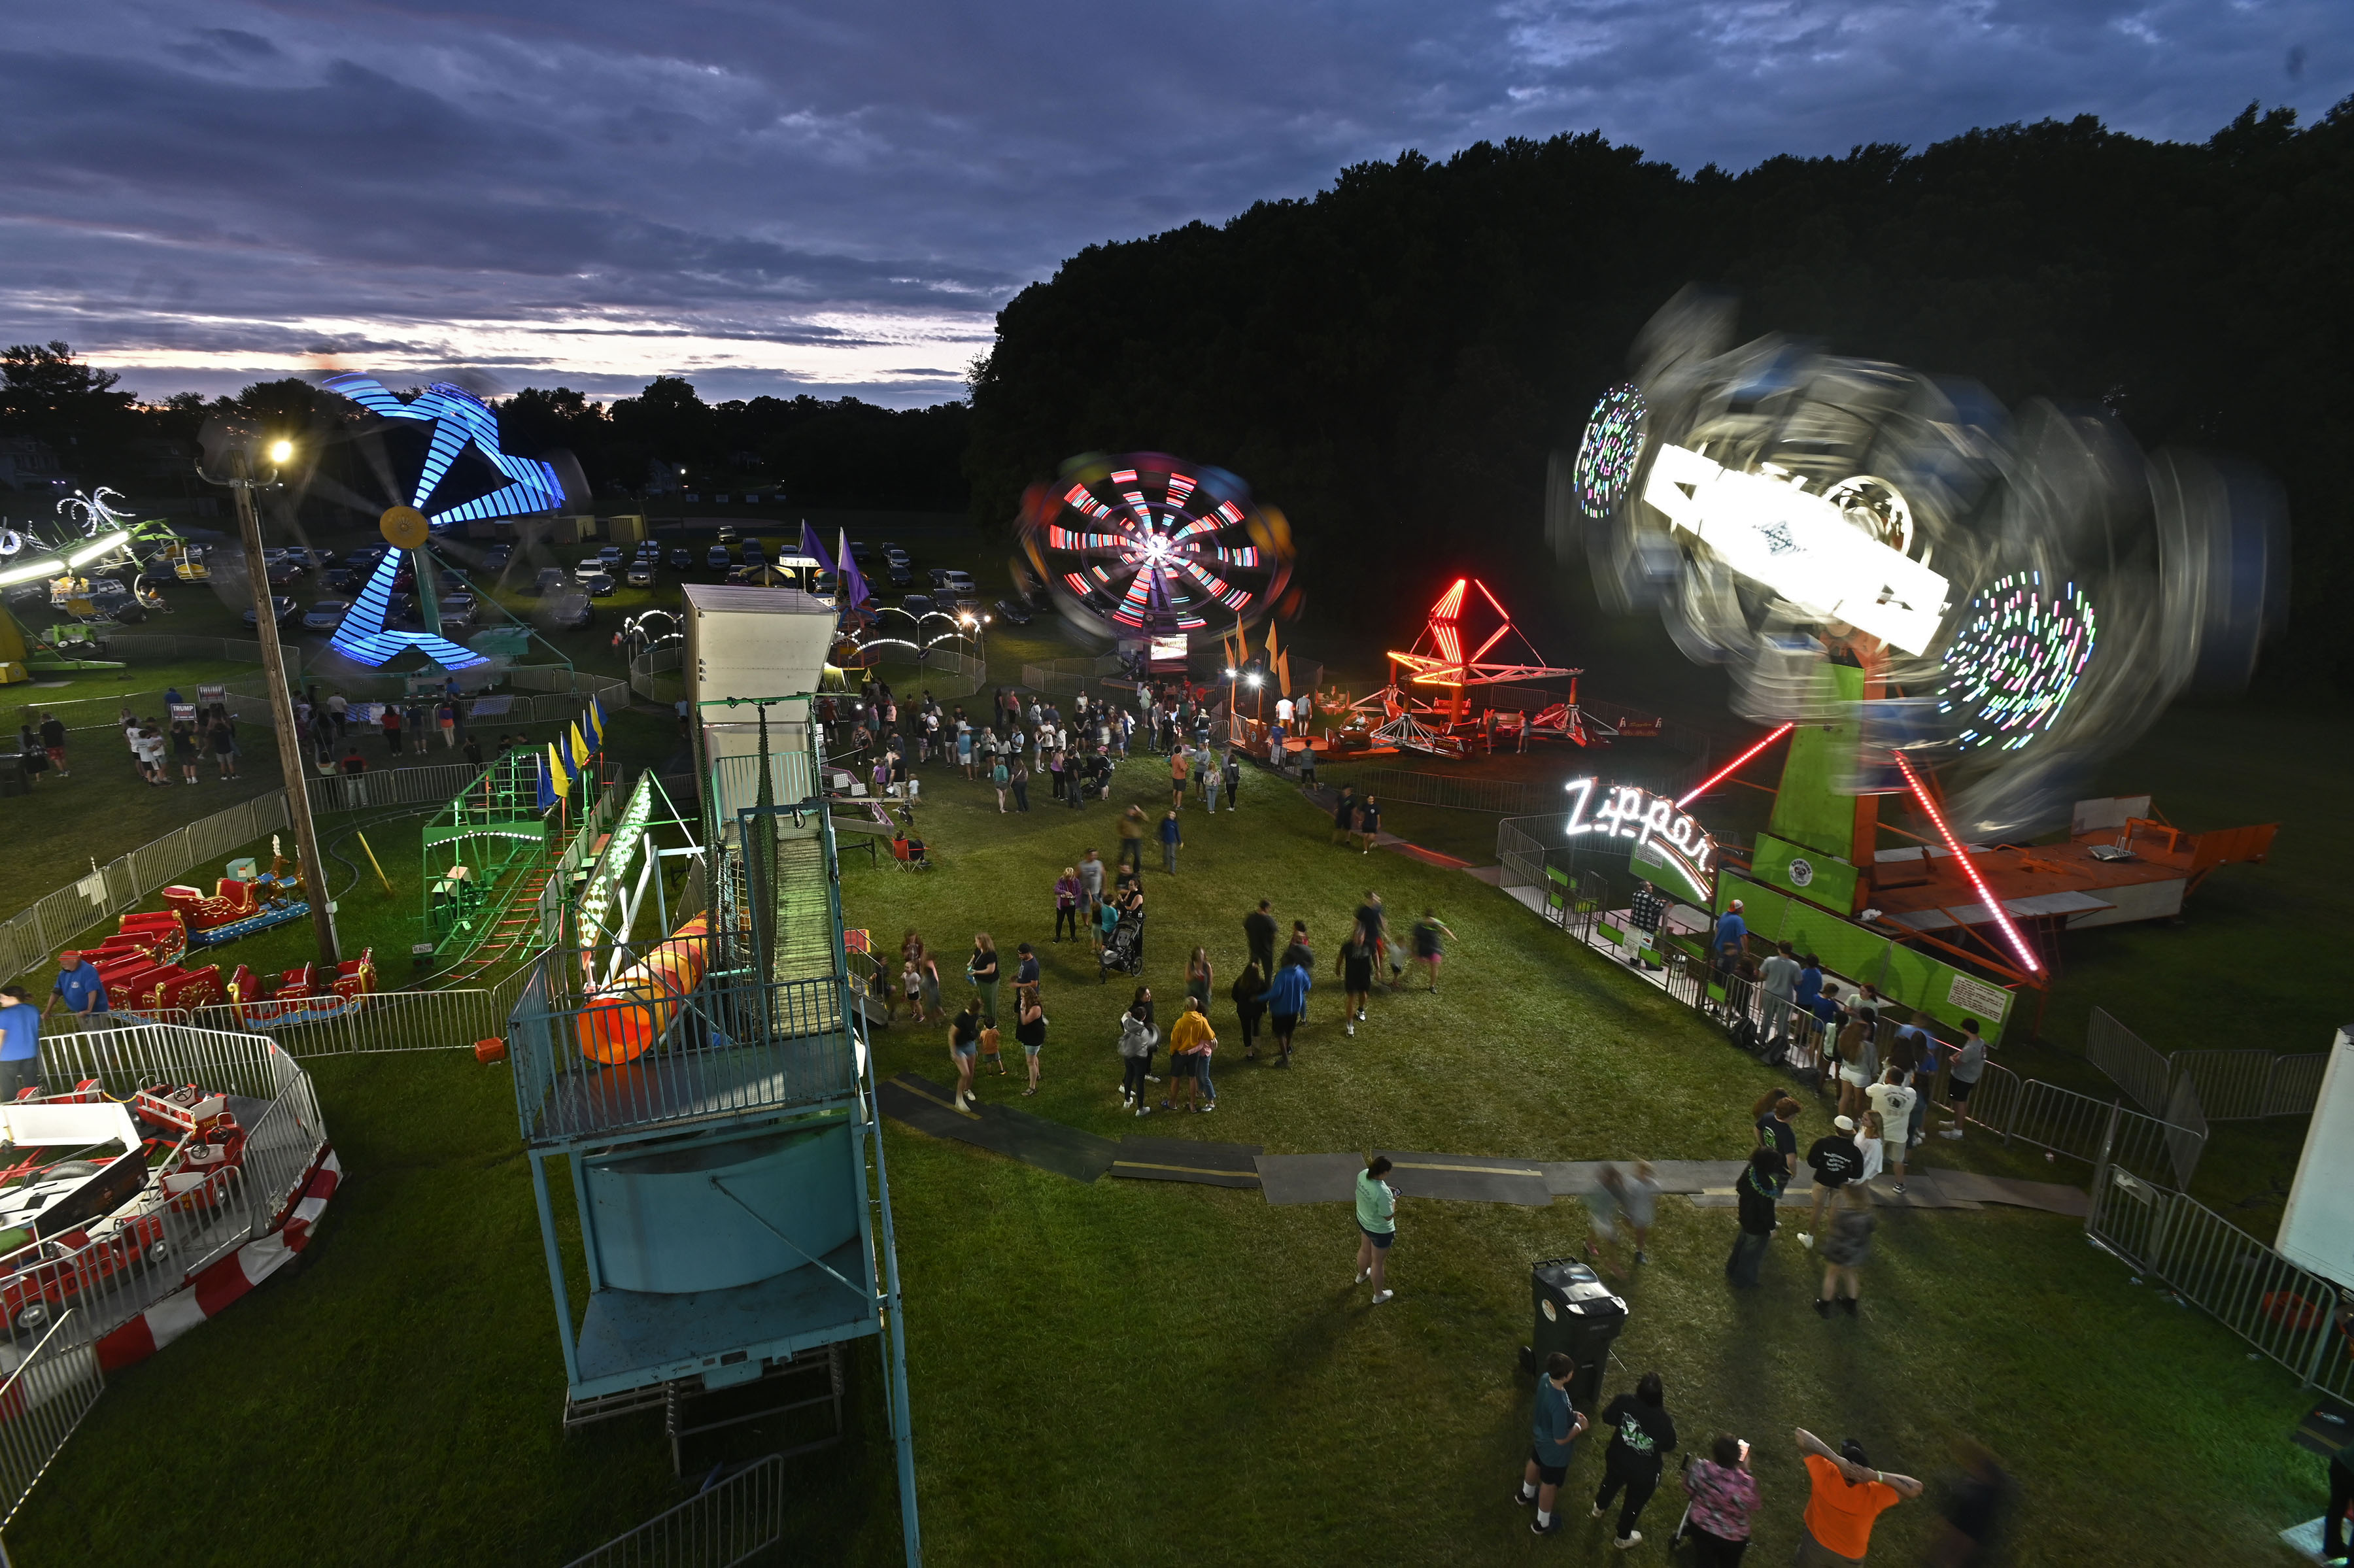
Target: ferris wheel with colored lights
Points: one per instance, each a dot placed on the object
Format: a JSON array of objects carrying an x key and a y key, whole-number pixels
[{"x": 1146, "y": 545}]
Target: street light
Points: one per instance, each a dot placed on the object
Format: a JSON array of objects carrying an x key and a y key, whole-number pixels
[{"x": 224, "y": 439}]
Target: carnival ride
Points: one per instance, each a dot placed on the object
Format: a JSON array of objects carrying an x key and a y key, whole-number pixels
[
  {"x": 1468, "y": 644},
  {"x": 460, "y": 475},
  {"x": 1145, "y": 546},
  {"x": 1933, "y": 599}
]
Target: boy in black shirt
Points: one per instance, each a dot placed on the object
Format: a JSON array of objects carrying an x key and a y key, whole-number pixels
[{"x": 1837, "y": 1160}]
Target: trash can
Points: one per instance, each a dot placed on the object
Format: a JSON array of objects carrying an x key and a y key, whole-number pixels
[{"x": 1571, "y": 1310}]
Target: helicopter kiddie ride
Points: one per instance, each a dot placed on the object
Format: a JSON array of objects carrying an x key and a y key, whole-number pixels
[{"x": 1940, "y": 605}]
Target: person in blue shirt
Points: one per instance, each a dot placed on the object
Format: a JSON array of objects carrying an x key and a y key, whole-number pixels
[
  {"x": 1554, "y": 1432},
  {"x": 1732, "y": 931},
  {"x": 83, "y": 992},
  {"x": 1172, "y": 836},
  {"x": 20, "y": 1042},
  {"x": 1286, "y": 998}
]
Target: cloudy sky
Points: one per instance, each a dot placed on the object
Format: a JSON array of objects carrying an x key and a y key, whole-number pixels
[{"x": 779, "y": 197}]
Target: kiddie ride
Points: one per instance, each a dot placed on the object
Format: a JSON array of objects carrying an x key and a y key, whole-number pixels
[
  {"x": 142, "y": 966},
  {"x": 71, "y": 1228}
]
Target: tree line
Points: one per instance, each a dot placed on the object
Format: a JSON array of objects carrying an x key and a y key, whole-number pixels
[
  {"x": 839, "y": 453},
  {"x": 1391, "y": 360}
]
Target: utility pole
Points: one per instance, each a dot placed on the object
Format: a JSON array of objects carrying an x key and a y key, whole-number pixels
[{"x": 242, "y": 484}]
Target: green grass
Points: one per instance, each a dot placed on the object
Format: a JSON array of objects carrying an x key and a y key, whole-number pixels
[{"x": 1141, "y": 1373}]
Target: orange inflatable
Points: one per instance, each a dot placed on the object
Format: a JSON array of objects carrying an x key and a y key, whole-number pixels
[{"x": 619, "y": 1020}]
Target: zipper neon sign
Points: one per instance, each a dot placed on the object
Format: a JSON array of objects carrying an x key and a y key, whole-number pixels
[{"x": 1662, "y": 831}]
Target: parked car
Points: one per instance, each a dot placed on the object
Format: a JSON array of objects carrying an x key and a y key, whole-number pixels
[
  {"x": 610, "y": 555},
  {"x": 366, "y": 556},
  {"x": 727, "y": 533},
  {"x": 282, "y": 609},
  {"x": 496, "y": 557},
  {"x": 458, "y": 610},
  {"x": 917, "y": 604},
  {"x": 754, "y": 553},
  {"x": 718, "y": 558},
  {"x": 572, "y": 610},
  {"x": 898, "y": 573},
  {"x": 683, "y": 559},
  {"x": 642, "y": 575},
  {"x": 326, "y": 615},
  {"x": 1014, "y": 610},
  {"x": 596, "y": 584},
  {"x": 281, "y": 573},
  {"x": 824, "y": 584},
  {"x": 341, "y": 579},
  {"x": 549, "y": 581}
]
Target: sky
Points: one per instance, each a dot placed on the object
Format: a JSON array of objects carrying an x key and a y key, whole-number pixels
[{"x": 773, "y": 197}]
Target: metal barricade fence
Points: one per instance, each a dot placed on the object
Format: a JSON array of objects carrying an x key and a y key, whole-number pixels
[
  {"x": 1504, "y": 796},
  {"x": 2295, "y": 1087},
  {"x": 376, "y": 1021},
  {"x": 2247, "y": 1085},
  {"x": 2133, "y": 1065},
  {"x": 723, "y": 1525},
  {"x": 2285, "y": 1311},
  {"x": 43, "y": 1401}
]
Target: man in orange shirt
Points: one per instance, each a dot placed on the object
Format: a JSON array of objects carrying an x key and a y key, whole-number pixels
[
  {"x": 1849, "y": 1494},
  {"x": 1178, "y": 769}
]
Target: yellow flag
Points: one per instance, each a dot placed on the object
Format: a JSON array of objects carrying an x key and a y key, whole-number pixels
[
  {"x": 559, "y": 776},
  {"x": 579, "y": 746}
]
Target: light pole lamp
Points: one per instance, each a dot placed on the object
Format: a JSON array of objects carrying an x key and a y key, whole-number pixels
[{"x": 240, "y": 483}]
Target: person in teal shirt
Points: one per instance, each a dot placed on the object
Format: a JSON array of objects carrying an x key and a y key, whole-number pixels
[
  {"x": 1555, "y": 1433},
  {"x": 1377, "y": 1219}
]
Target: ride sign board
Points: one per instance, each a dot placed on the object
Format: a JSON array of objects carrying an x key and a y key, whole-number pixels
[
  {"x": 1671, "y": 848},
  {"x": 1816, "y": 878}
]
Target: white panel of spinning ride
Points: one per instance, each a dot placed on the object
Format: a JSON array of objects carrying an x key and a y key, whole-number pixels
[{"x": 2316, "y": 1229}]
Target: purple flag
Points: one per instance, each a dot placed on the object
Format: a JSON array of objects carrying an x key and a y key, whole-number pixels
[
  {"x": 812, "y": 549},
  {"x": 854, "y": 593}
]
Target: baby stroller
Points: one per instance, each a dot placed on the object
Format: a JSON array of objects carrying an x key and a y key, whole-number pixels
[{"x": 1125, "y": 951}]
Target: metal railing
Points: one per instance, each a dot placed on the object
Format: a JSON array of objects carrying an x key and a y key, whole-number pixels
[
  {"x": 725, "y": 1046},
  {"x": 723, "y": 1525},
  {"x": 160, "y": 646},
  {"x": 40, "y": 1405},
  {"x": 2286, "y": 1312},
  {"x": 653, "y": 674},
  {"x": 2226, "y": 1085},
  {"x": 376, "y": 1021},
  {"x": 1507, "y": 797}
]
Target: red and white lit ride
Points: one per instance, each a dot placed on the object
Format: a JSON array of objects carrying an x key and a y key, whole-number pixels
[
  {"x": 1470, "y": 641},
  {"x": 1146, "y": 546}
]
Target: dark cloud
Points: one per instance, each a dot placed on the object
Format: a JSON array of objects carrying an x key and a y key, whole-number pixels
[{"x": 789, "y": 197}]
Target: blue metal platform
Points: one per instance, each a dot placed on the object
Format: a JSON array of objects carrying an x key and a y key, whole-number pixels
[{"x": 630, "y": 1338}]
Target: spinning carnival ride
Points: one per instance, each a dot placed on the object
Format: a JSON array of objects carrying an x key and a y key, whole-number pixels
[
  {"x": 1978, "y": 606},
  {"x": 1146, "y": 545},
  {"x": 1430, "y": 712}
]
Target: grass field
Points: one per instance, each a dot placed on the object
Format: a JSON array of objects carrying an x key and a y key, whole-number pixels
[{"x": 1143, "y": 1373}]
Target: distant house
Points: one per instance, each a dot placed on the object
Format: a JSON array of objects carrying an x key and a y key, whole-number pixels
[{"x": 29, "y": 466}]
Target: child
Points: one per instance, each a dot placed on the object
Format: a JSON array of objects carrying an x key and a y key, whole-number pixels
[{"x": 989, "y": 1047}]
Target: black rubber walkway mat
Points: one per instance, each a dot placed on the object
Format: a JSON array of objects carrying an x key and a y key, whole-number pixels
[
  {"x": 1187, "y": 1160},
  {"x": 1310, "y": 1177},
  {"x": 1468, "y": 1178},
  {"x": 930, "y": 1108}
]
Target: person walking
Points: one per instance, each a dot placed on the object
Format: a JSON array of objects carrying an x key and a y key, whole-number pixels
[
  {"x": 1091, "y": 881},
  {"x": 1638, "y": 1197},
  {"x": 53, "y": 741},
  {"x": 1180, "y": 765},
  {"x": 1847, "y": 1496},
  {"x": 1211, "y": 780},
  {"x": 1258, "y": 934},
  {"x": 1845, "y": 1250},
  {"x": 981, "y": 969},
  {"x": 1369, "y": 824},
  {"x": 1354, "y": 965},
  {"x": 1836, "y": 1161},
  {"x": 1892, "y": 1102},
  {"x": 1030, "y": 1029},
  {"x": 1643, "y": 1436},
  {"x": 1430, "y": 938},
  {"x": 964, "y": 1049},
  {"x": 445, "y": 717},
  {"x": 1172, "y": 840},
  {"x": 1962, "y": 1078},
  {"x": 1019, "y": 782},
  {"x": 1287, "y": 998},
  {"x": 1344, "y": 814},
  {"x": 1132, "y": 838},
  {"x": 1778, "y": 977},
  {"x": 1137, "y": 1039},
  {"x": 1554, "y": 1432},
  {"x": 1001, "y": 778},
  {"x": 1603, "y": 1201},
  {"x": 20, "y": 1044},
  {"x": 1758, "y": 1188},
  {"x": 1723, "y": 1501},
  {"x": 1377, "y": 1221},
  {"x": 1249, "y": 986},
  {"x": 1198, "y": 976},
  {"x": 1067, "y": 889}
]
